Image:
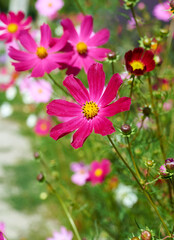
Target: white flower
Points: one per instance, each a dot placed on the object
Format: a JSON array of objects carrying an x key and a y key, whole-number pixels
[
  {"x": 126, "y": 195},
  {"x": 6, "y": 110},
  {"x": 31, "y": 120},
  {"x": 11, "y": 93}
]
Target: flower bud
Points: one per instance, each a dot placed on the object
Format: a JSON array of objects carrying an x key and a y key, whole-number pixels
[
  {"x": 135, "y": 238},
  {"x": 40, "y": 177},
  {"x": 164, "y": 31},
  {"x": 111, "y": 55},
  {"x": 129, "y": 4},
  {"x": 169, "y": 163},
  {"x": 126, "y": 129},
  {"x": 146, "y": 111},
  {"x": 172, "y": 4},
  {"x": 36, "y": 155},
  {"x": 147, "y": 42},
  {"x": 158, "y": 60},
  {"x": 149, "y": 163},
  {"x": 146, "y": 235},
  {"x": 163, "y": 171}
]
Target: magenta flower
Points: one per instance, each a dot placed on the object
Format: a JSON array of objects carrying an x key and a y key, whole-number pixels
[
  {"x": 13, "y": 24},
  {"x": 162, "y": 11},
  {"x": 63, "y": 234},
  {"x": 48, "y": 8},
  {"x": 92, "y": 106},
  {"x": 42, "y": 127},
  {"x": 85, "y": 44},
  {"x": 42, "y": 58},
  {"x": 2, "y": 231},
  {"x": 99, "y": 170},
  {"x": 81, "y": 173}
]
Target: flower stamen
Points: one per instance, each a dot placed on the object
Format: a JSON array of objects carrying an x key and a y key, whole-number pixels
[
  {"x": 98, "y": 172},
  {"x": 41, "y": 52},
  {"x": 137, "y": 65},
  {"x": 12, "y": 27},
  {"x": 81, "y": 48},
  {"x": 90, "y": 109}
]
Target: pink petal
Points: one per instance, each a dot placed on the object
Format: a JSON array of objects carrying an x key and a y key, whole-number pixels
[
  {"x": 38, "y": 70},
  {"x": 98, "y": 53},
  {"x": 96, "y": 80},
  {"x": 100, "y": 38},
  {"x": 111, "y": 90},
  {"x": 27, "y": 41},
  {"x": 63, "y": 129},
  {"x": 27, "y": 21},
  {"x": 68, "y": 26},
  {"x": 45, "y": 35},
  {"x": 86, "y": 28},
  {"x": 60, "y": 43},
  {"x": 23, "y": 66},
  {"x": 121, "y": 105},
  {"x": 13, "y": 17},
  {"x": 20, "y": 55},
  {"x": 20, "y": 15},
  {"x": 77, "y": 89},
  {"x": 3, "y": 18},
  {"x": 81, "y": 134},
  {"x": 103, "y": 126},
  {"x": 1, "y": 236},
  {"x": 61, "y": 57},
  {"x": 106, "y": 166},
  {"x": 49, "y": 64},
  {"x": 86, "y": 62},
  {"x": 62, "y": 108},
  {"x": 2, "y": 28}
]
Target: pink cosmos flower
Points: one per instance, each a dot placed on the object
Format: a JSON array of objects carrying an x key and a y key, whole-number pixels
[
  {"x": 2, "y": 231},
  {"x": 92, "y": 106},
  {"x": 161, "y": 11},
  {"x": 13, "y": 24},
  {"x": 99, "y": 170},
  {"x": 48, "y": 8},
  {"x": 167, "y": 106},
  {"x": 81, "y": 173},
  {"x": 85, "y": 44},
  {"x": 63, "y": 234},
  {"x": 40, "y": 91},
  {"x": 42, "y": 127},
  {"x": 42, "y": 57},
  {"x": 163, "y": 170}
]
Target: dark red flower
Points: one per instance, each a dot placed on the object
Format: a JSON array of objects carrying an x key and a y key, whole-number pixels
[{"x": 139, "y": 61}]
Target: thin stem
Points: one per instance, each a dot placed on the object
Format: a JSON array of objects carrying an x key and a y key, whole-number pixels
[
  {"x": 142, "y": 188},
  {"x": 113, "y": 70},
  {"x": 137, "y": 26},
  {"x": 65, "y": 210},
  {"x": 139, "y": 129},
  {"x": 132, "y": 158},
  {"x": 58, "y": 85},
  {"x": 156, "y": 118},
  {"x": 80, "y": 8}
]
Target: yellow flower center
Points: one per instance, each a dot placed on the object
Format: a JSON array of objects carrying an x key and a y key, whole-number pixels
[
  {"x": 40, "y": 91},
  {"x": 136, "y": 65},
  {"x": 50, "y": 4},
  {"x": 41, "y": 52},
  {"x": 43, "y": 126},
  {"x": 90, "y": 109},
  {"x": 98, "y": 172},
  {"x": 81, "y": 48},
  {"x": 12, "y": 27}
]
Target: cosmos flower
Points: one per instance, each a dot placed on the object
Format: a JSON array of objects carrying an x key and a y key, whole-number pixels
[
  {"x": 85, "y": 44},
  {"x": 139, "y": 61},
  {"x": 12, "y": 26},
  {"x": 41, "y": 58},
  {"x": 92, "y": 106},
  {"x": 48, "y": 8},
  {"x": 63, "y": 234},
  {"x": 81, "y": 173},
  {"x": 42, "y": 127},
  {"x": 99, "y": 170},
  {"x": 162, "y": 11}
]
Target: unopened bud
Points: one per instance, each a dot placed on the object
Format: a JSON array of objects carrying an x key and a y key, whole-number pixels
[
  {"x": 36, "y": 155},
  {"x": 164, "y": 31},
  {"x": 149, "y": 163},
  {"x": 147, "y": 42},
  {"x": 169, "y": 163},
  {"x": 126, "y": 129},
  {"x": 158, "y": 60},
  {"x": 146, "y": 235},
  {"x": 40, "y": 177},
  {"x": 111, "y": 55},
  {"x": 135, "y": 238},
  {"x": 163, "y": 171},
  {"x": 146, "y": 111},
  {"x": 129, "y": 4}
]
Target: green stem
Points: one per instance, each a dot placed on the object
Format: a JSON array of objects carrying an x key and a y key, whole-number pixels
[
  {"x": 137, "y": 26},
  {"x": 132, "y": 158},
  {"x": 80, "y": 8},
  {"x": 156, "y": 118},
  {"x": 113, "y": 70},
  {"x": 58, "y": 85},
  {"x": 65, "y": 210},
  {"x": 142, "y": 188}
]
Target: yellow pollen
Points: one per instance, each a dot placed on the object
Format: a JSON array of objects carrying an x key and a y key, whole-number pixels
[
  {"x": 50, "y": 4},
  {"x": 154, "y": 46},
  {"x": 136, "y": 65},
  {"x": 98, "y": 172},
  {"x": 43, "y": 126},
  {"x": 90, "y": 109},
  {"x": 12, "y": 27},
  {"x": 40, "y": 90},
  {"x": 41, "y": 52},
  {"x": 81, "y": 48}
]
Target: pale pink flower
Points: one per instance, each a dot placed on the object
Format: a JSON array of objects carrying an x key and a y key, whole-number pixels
[
  {"x": 162, "y": 11},
  {"x": 84, "y": 44},
  {"x": 13, "y": 24},
  {"x": 167, "y": 106},
  {"x": 63, "y": 234},
  {"x": 48, "y": 8},
  {"x": 81, "y": 173},
  {"x": 99, "y": 170},
  {"x": 42, "y": 127},
  {"x": 41, "y": 58}
]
